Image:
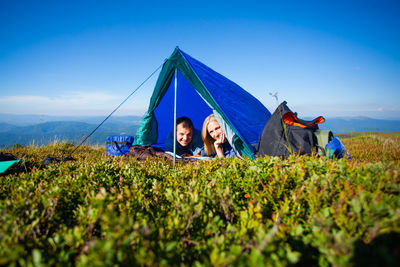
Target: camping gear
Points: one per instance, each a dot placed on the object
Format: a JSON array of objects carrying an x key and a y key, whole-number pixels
[
  {"x": 6, "y": 161},
  {"x": 187, "y": 87},
  {"x": 336, "y": 149},
  {"x": 285, "y": 134},
  {"x": 323, "y": 138},
  {"x": 118, "y": 145},
  {"x": 4, "y": 165}
]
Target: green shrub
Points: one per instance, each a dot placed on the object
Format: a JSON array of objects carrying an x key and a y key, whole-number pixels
[{"x": 99, "y": 210}]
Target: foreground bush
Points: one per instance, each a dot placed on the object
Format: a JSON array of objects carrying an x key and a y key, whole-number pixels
[{"x": 270, "y": 212}]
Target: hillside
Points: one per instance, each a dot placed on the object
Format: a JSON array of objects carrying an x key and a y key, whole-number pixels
[
  {"x": 299, "y": 211},
  {"x": 67, "y": 131},
  {"x": 7, "y": 127}
]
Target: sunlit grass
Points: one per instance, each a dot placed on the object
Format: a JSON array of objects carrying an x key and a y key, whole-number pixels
[
  {"x": 372, "y": 147},
  {"x": 101, "y": 210}
]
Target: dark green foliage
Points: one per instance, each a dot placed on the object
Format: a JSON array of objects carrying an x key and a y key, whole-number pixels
[{"x": 99, "y": 210}]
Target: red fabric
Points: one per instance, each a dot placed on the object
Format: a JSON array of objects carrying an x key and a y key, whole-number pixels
[{"x": 291, "y": 119}]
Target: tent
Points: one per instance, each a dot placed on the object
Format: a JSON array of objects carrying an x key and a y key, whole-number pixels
[{"x": 197, "y": 91}]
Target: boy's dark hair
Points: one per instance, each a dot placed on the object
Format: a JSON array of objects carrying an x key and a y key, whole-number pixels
[{"x": 186, "y": 122}]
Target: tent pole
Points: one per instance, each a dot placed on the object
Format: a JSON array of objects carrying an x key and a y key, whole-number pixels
[{"x": 176, "y": 89}]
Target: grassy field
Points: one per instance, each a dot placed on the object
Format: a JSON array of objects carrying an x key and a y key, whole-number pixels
[
  {"x": 373, "y": 147},
  {"x": 299, "y": 211}
]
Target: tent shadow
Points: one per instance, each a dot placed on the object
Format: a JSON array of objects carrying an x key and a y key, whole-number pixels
[{"x": 384, "y": 250}]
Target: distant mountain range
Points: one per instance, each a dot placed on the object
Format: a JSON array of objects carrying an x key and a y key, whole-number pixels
[
  {"x": 41, "y": 130},
  {"x": 360, "y": 124},
  {"x": 26, "y": 120}
]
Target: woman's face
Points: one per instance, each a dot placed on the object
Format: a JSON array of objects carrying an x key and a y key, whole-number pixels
[{"x": 214, "y": 130}]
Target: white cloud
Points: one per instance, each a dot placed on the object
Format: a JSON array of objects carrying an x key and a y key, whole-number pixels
[{"x": 74, "y": 103}]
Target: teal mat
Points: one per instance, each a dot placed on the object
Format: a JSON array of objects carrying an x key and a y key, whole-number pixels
[{"x": 4, "y": 165}]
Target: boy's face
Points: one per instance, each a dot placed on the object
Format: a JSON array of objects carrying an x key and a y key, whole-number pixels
[{"x": 183, "y": 135}]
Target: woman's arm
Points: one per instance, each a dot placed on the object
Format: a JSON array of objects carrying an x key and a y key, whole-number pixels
[{"x": 218, "y": 146}]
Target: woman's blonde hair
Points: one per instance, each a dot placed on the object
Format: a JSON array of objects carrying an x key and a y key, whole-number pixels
[{"x": 208, "y": 141}]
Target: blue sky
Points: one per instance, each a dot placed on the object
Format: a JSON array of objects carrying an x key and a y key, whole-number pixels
[{"x": 330, "y": 58}]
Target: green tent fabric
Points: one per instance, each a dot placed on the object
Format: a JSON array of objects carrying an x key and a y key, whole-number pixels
[
  {"x": 4, "y": 165},
  {"x": 201, "y": 91}
]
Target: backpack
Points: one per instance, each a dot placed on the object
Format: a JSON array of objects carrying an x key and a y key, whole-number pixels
[
  {"x": 118, "y": 145},
  {"x": 336, "y": 149},
  {"x": 285, "y": 134}
]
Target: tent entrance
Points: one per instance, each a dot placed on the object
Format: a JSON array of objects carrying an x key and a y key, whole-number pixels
[{"x": 189, "y": 103}]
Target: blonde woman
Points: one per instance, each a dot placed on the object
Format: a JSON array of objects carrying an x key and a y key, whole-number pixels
[{"x": 215, "y": 142}]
